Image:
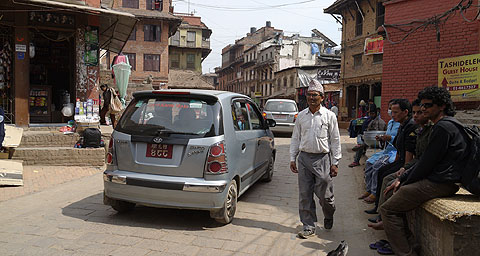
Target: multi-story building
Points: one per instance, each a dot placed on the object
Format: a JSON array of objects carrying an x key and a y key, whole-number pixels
[
  {"x": 250, "y": 68},
  {"x": 362, "y": 51},
  {"x": 190, "y": 45},
  {"x": 147, "y": 47},
  {"x": 231, "y": 73}
]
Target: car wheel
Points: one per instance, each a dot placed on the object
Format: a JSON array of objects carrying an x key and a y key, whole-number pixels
[
  {"x": 267, "y": 177},
  {"x": 122, "y": 206},
  {"x": 225, "y": 215}
]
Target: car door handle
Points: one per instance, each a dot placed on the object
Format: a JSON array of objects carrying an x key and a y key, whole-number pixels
[{"x": 243, "y": 146}]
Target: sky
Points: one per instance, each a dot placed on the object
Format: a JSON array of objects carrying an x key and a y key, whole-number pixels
[{"x": 230, "y": 20}]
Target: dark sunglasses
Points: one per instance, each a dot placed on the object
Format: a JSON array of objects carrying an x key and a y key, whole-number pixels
[
  {"x": 313, "y": 95},
  {"x": 426, "y": 105}
]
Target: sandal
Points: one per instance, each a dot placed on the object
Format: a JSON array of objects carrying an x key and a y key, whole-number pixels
[
  {"x": 364, "y": 195},
  {"x": 370, "y": 199},
  {"x": 353, "y": 164},
  {"x": 386, "y": 250},
  {"x": 378, "y": 244}
]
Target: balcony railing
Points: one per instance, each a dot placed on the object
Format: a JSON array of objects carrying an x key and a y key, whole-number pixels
[{"x": 205, "y": 44}]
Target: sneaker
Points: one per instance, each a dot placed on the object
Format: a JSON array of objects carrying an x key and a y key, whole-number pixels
[
  {"x": 306, "y": 233},
  {"x": 354, "y": 164},
  {"x": 328, "y": 223}
]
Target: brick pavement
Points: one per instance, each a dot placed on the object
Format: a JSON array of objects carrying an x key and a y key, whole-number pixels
[
  {"x": 37, "y": 178},
  {"x": 70, "y": 219}
]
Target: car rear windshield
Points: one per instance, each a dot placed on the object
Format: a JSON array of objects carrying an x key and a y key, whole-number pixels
[
  {"x": 155, "y": 115},
  {"x": 281, "y": 106}
]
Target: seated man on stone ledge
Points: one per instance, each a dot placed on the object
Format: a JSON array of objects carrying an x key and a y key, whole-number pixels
[{"x": 433, "y": 175}]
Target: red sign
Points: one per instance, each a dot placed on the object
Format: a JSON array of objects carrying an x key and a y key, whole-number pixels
[{"x": 374, "y": 45}]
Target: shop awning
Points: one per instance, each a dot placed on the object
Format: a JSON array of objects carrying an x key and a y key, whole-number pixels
[{"x": 115, "y": 26}]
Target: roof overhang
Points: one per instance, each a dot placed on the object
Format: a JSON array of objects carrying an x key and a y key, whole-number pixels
[
  {"x": 336, "y": 7},
  {"x": 115, "y": 26}
]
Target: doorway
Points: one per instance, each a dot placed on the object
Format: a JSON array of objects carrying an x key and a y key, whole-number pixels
[{"x": 51, "y": 75}]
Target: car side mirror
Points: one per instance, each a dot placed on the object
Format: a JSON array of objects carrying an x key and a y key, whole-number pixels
[{"x": 271, "y": 123}]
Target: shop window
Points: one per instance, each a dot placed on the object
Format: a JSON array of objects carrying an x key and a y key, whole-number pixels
[
  {"x": 191, "y": 61},
  {"x": 357, "y": 60},
  {"x": 151, "y": 62},
  {"x": 130, "y": 4},
  {"x": 174, "y": 60},
  {"x": 152, "y": 33},
  {"x": 154, "y": 5},
  {"x": 358, "y": 24},
  {"x": 133, "y": 35},
  {"x": 132, "y": 57},
  {"x": 191, "y": 38},
  {"x": 377, "y": 58},
  {"x": 176, "y": 39},
  {"x": 380, "y": 14}
]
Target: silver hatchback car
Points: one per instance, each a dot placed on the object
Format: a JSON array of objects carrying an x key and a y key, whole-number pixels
[
  {"x": 189, "y": 149},
  {"x": 284, "y": 112}
]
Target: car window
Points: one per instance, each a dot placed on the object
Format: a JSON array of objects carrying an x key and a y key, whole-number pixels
[
  {"x": 152, "y": 115},
  {"x": 240, "y": 116},
  {"x": 281, "y": 106},
  {"x": 254, "y": 117}
]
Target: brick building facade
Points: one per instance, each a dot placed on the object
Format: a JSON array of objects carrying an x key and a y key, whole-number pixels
[
  {"x": 361, "y": 73},
  {"x": 147, "y": 47},
  {"x": 411, "y": 65}
]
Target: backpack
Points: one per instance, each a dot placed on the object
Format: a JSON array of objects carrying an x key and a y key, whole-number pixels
[
  {"x": 470, "y": 164},
  {"x": 91, "y": 138}
]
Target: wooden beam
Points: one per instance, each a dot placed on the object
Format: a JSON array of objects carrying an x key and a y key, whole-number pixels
[
  {"x": 351, "y": 14},
  {"x": 360, "y": 10},
  {"x": 344, "y": 19},
  {"x": 371, "y": 6},
  {"x": 336, "y": 18}
]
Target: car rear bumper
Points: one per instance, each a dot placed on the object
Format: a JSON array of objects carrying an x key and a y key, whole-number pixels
[
  {"x": 283, "y": 127},
  {"x": 164, "y": 191}
]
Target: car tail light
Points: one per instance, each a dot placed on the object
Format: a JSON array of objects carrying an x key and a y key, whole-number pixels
[
  {"x": 264, "y": 115},
  {"x": 109, "y": 157},
  {"x": 216, "y": 159},
  {"x": 295, "y": 117}
]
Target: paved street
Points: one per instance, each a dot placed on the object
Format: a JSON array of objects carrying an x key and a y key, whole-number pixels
[{"x": 70, "y": 219}]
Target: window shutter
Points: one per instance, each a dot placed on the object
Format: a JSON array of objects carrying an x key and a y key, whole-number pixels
[
  {"x": 159, "y": 33},
  {"x": 148, "y": 4}
]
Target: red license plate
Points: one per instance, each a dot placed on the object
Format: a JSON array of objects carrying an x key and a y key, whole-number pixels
[{"x": 159, "y": 150}]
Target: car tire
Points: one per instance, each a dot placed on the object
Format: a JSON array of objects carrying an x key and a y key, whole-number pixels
[
  {"x": 268, "y": 176},
  {"x": 225, "y": 215},
  {"x": 122, "y": 206}
]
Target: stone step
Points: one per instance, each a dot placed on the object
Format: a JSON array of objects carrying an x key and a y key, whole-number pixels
[
  {"x": 68, "y": 156},
  {"x": 34, "y": 139}
]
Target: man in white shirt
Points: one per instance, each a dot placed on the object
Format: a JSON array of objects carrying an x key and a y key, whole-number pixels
[{"x": 316, "y": 143}]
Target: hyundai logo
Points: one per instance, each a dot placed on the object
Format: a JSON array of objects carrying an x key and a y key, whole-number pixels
[{"x": 157, "y": 140}]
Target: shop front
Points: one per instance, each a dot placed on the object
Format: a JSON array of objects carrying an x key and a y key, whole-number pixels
[{"x": 54, "y": 49}]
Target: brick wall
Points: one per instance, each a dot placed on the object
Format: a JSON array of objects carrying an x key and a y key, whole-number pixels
[{"x": 411, "y": 65}]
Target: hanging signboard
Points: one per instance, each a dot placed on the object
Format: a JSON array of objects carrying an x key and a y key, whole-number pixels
[
  {"x": 91, "y": 46},
  {"x": 373, "y": 45},
  {"x": 328, "y": 74},
  {"x": 460, "y": 76}
]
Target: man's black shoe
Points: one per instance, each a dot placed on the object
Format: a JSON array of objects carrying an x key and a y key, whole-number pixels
[
  {"x": 372, "y": 211},
  {"x": 328, "y": 223},
  {"x": 375, "y": 219}
]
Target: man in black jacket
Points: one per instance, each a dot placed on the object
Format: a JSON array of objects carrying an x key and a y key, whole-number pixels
[{"x": 433, "y": 175}]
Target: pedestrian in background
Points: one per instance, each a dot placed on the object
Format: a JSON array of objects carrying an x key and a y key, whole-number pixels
[
  {"x": 316, "y": 143},
  {"x": 334, "y": 109},
  {"x": 2, "y": 127},
  {"x": 107, "y": 99}
]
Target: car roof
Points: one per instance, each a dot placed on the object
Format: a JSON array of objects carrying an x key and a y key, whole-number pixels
[
  {"x": 286, "y": 100},
  {"x": 219, "y": 94}
]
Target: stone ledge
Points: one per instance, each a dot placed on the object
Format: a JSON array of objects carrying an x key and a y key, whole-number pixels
[{"x": 61, "y": 156}]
